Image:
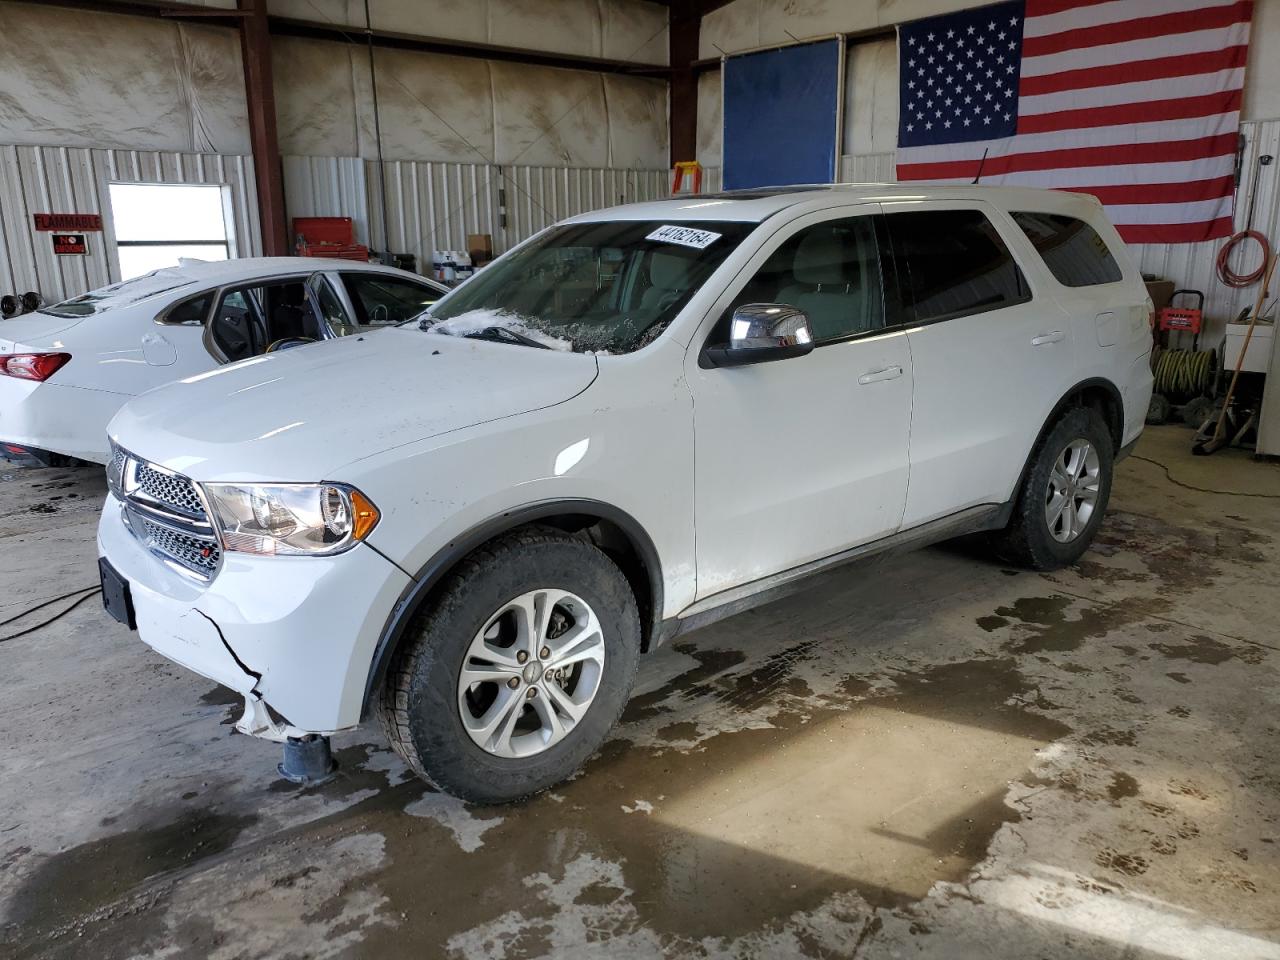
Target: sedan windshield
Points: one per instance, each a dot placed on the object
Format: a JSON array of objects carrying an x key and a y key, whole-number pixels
[{"x": 592, "y": 287}]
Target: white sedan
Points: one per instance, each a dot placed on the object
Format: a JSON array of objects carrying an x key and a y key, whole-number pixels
[{"x": 67, "y": 368}]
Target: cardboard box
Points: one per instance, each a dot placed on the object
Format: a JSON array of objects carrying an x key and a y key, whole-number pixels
[
  {"x": 1161, "y": 292},
  {"x": 480, "y": 246}
]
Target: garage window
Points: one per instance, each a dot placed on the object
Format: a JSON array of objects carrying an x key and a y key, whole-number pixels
[
  {"x": 156, "y": 224},
  {"x": 1072, "y": 250}
]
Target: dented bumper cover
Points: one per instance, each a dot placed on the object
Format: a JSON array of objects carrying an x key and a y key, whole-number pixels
[{"x": 297, "y": 633}]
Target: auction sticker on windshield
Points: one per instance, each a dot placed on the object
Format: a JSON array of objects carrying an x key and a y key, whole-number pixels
[{"x": 685, "y": 236}]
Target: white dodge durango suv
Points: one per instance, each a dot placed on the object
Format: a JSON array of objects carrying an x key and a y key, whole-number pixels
[{"x": 645, "y": 418}]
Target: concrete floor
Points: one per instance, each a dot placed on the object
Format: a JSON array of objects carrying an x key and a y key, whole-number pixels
[{"x": 935, "y": 757}]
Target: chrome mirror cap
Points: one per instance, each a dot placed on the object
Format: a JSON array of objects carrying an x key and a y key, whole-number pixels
[
  {"x": 759, "y": 332},
  {"x": 757, "y": 326}
]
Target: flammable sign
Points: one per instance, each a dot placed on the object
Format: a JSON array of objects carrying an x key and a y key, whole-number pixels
[{"x": 70, "y": 245}]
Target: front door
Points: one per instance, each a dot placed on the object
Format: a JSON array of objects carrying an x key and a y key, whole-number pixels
[{"x": 802, "y": 458}]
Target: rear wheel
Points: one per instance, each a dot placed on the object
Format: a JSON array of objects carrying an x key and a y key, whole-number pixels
[
  {"x": 518, "y": 671},
  {"x": 1064, "y": 494}
]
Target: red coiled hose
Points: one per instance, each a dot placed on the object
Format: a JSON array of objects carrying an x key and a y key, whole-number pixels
[{"x": 1229, "y": 276}]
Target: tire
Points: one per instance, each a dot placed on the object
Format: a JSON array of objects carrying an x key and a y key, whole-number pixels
[
  {"x": 1158, "y": 409},
  {"x": 1029, "y": 539},
  {"x": 424, "y": 698},
  {"x": 1196, "y": 411}
]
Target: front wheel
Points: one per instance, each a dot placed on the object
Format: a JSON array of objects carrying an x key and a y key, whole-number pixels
[
  {"x": 518, "y": 671},
  {"x": 1064, "y": 494}
]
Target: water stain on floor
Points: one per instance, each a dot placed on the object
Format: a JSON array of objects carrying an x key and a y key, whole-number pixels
[
  {"x": 752, "y": 827},
  {"x": 744, "y": 830},
  {"x": 1043, "y": 625},
  {"x": 85, "y": 880},
  {"x": 1203, "y": 649}
]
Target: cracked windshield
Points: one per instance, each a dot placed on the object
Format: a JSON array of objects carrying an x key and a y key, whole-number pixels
[{"x": 592, "y": 287}]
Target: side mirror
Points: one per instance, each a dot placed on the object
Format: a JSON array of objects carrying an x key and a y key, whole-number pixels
[{"x": 760, "y": 332}]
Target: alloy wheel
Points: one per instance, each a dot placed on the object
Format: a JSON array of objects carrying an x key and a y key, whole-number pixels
[
  {"x": 531, "y": 673},
  {"x": 1075, "y": 482}
]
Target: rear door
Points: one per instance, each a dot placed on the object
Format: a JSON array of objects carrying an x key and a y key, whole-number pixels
[
  {"x": 991, "y": 354},
  {"x": 1102, "y": 288},
  {"x": 174, "y": 343}
]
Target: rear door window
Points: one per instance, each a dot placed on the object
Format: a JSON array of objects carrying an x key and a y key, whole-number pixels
[
  {"x": 953, "y": 263},
  {"x": 1071, "y": 249},
  {"x": 235, "y": 327},
  {"x": 249, "y": 319}
]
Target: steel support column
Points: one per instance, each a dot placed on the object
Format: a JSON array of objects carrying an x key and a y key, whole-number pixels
[
  {"x": 684, "y": 26},
  {"x": 259, "y": 88}
]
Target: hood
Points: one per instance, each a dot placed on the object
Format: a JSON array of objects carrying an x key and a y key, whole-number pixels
[
  {"x": 301, "y": 414},
  {"x": 32, "y": 331}
]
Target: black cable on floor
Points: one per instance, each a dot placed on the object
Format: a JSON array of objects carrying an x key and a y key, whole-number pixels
[
  {"x": 41, "y": 606},
  {"x": 1190, "y": 486},
  {"x": 40, "y": 626}
]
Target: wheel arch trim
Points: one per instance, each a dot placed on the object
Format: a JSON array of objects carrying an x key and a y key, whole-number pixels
[
  {"x": 446, "y": 558},
  {"x": 1064, "y": 402}
]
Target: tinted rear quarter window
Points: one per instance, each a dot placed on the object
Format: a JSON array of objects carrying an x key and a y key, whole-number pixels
[
  {"x": 189, "y": 312},
  {"x": 953, "y": 263},
  {"x": 1071, "y": 249}
]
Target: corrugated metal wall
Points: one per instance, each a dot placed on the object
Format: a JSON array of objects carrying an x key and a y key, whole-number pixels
[
  {"x": 65, "y": 180},
  {"x": 327, "y": 187},
  {"x": 539, "y": 196},
  {"x": 431, "y": 206},
  {"x": 867, "y": 168},
  {"x": 1193, "y": 264},
  {"x": 434, "y": 206}
]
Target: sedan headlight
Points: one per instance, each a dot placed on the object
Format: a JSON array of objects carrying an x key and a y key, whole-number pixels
[{"x": 290, "y": 519}]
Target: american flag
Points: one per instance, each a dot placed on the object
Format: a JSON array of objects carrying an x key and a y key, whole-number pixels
[{"x": 1134, "y": 101}]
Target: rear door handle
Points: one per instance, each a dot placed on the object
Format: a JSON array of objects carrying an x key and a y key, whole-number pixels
[
  {"x": 888, "y": 373},
  {"x": 1047, "y": 338}
]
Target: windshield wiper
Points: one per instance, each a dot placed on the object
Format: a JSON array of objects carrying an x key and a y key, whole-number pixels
[
  {"x": 506, "y": 335},
  {"x": 496, "y": 333}
]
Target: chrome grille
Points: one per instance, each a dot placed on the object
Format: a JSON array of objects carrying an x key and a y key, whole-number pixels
[
  {"x": 170, "y": 489},
  {"x": 200, "y": 555},
  {"x": 165, "y": 511}
]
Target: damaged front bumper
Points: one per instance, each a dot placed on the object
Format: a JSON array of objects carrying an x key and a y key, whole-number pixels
[{"x": 294, "y": 633}]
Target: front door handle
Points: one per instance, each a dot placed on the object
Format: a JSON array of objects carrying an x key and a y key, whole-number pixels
[
  {"x": 1047, "y": 338},
  {"x": 888, "y": 373}
]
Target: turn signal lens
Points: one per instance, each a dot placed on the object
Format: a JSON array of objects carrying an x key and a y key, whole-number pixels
[
  {"x": 365, "y": 515},
  {"x": 33, "y": 366}
]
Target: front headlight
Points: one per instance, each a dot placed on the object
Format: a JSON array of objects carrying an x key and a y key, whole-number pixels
[{"x": 290, "y": 519}]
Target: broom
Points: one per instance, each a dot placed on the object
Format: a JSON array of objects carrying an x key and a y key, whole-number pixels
[{"x": 1203, "y": 446}]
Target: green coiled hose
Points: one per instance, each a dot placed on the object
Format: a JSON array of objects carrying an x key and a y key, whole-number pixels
[{"x": 1184, "y": 373}]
